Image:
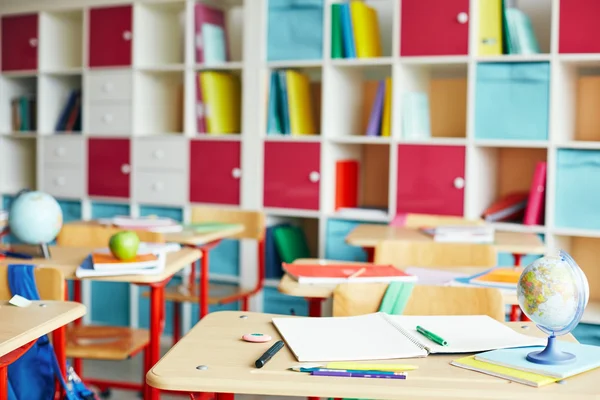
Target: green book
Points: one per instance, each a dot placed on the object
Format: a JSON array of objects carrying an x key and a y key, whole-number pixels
[
  {"x": 336, "y": 31},
  {"x": 291, "y": 244}
]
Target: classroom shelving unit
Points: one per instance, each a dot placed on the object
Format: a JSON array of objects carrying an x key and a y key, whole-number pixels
[{"x": 140, "y": 153}]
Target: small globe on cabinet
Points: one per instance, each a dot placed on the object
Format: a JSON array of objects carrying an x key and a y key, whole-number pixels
[
  {"x": 553, "y": 292},
  {"x": 35, "y": 217}
]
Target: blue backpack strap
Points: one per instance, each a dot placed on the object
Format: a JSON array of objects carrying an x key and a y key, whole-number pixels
[{"x": 32, "y": 375}]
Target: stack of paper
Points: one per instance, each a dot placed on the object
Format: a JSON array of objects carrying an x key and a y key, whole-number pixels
[
  {"x": 152, "y": 224},
  {"x": 461, "y": 234}
]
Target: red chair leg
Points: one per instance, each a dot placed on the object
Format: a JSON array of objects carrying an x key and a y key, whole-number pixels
[{"x": 176, "y": 322}]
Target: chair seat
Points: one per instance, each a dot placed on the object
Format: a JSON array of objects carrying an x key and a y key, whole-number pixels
[
  {"x": 187, "y": 293},
  {"x": 105, "y": 342}
]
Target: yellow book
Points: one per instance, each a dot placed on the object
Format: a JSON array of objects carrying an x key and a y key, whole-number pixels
[
  {"x": 386, "y": 122},
  {"x": 221, "y": 94},
  {"x": 302, "y": 119},
  {"x": 511, "y": 374},
  {"x": 365, "y": 27},
  {"x": 490, "y": 27}
]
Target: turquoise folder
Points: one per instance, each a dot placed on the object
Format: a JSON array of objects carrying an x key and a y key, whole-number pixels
[{"x": 214, "y": 44}]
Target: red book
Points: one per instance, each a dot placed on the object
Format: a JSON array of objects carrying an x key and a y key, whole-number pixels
[
  {"x": 346, "y": 184},
  {"x": 340, "y": 273},
  {"x": 534, "y": 213},
  {"x": 508, "y": 208}
]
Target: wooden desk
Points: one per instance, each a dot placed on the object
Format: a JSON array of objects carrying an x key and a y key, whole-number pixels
[
  {"x": 68, "y": 259},
  {"x": 215, "y": 342},
  {"x": 369, "y": 235},
  {"x": 22, "y": 326}
]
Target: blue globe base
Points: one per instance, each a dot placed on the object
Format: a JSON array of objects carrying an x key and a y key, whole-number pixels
[{"x": 551, "y": 354}]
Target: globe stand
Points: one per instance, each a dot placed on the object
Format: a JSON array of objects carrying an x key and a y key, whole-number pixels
[
  {"x": 45, "y": 250},
  {"x": 551, "y": 354}
]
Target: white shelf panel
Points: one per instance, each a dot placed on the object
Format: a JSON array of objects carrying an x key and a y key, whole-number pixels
[
  {"x": 234, "y": 137},
  {"x": 361, "y": 139},
  {"x": 579, "y": 145},
  {"x": 435, "y": 60},
  {"x": 232, "y": 65},
  {"x": 21, "y": 135},
  {"x": 386, "y": 218},
  {"x": 20, "y": 74},
  {"x": 293, "y": 138},
  {"x": 161, "y": 68},
  {"x": 514, "y": 227},
  {"x": 515, "y": 58},
  {"x": 361, "y": 62},
  {"x": 290, "y": 212},
  {"x": 295, "y": 64},
  {"x": 583, "y": 59},
  {"x": 63, "y": 71},
  {"x": 535, "y": 144},
  {"x": 577, "y": 232},
  {"x": 436, "y": 141}
]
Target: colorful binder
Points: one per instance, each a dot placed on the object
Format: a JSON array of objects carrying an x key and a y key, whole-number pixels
[
  {"x": 337, "y": 45},
  {"x": 347, "y": 32},
  {"x": 386, "y": 123},
  {"x": 222, "y": 95},
  {"x": 274, "y": 124},
  {"x": 302, "y": 119},
  {"x": 534, "y": 213},
  {"x": 490, "y": 27},
  {"x": 283, "y": 102}
]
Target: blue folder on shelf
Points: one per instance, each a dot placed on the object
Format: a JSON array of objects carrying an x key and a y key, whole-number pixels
[
  {"x": 347, "y": 32},
  {"x": 274, "y": 120},
  {"x": 215, "y": 48}
]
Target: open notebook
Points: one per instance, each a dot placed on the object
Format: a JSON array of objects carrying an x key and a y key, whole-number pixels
[{"x": 381, "y": 336}]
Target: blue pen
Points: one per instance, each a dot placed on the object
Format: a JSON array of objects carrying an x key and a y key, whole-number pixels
[{"x": 12, "y": 254}]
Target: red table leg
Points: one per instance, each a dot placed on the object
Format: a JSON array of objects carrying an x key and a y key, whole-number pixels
[
  {"x": 370, "y": 253},
  {"x": 5, "y": 361},
  {"x": 515, "y": 310},
  {"x": 176, "y": 322},
  {"x": 77, "y": 363},
  {"x": 203, "y": 306},
  {"x": 314, "y": 306},
  {"x": 157, "y": 307}
]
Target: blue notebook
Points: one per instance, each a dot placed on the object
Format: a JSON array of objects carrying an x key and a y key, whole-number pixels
[
  {"x": 588, "y": 357},
  {"x": 283, "y": 102},
  {"x": 274, "y": 113},
  {"x": 347, "y": 33},
  {"x": 214, "y": 44}
]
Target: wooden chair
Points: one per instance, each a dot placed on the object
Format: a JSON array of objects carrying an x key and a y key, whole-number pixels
[
  {"x": 363, "y": 298},
  {"x": 254, "y": 223},
  {"x": 421, "y": 220},
  {"x": 434, "y": 254}
]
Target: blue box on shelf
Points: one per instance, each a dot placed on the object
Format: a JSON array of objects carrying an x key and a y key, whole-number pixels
[
  {"x": 295, "y": 30},
  {"x": 336, "y": 247},
  {"x": 512, "y": 101},
  {"x": 577, "y": 189}
]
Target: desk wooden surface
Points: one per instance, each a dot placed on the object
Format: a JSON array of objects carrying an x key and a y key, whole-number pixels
[
  {"x": 369, "y": 235},
  {"x": 21, "y": 325},
  {"x": 67, "y": 259},
  {"x": 72, "y": 231},
  {"x": 216, "y": 342}
]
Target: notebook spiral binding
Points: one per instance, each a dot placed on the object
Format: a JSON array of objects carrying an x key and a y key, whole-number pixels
[{"x": 410, "y": 337}]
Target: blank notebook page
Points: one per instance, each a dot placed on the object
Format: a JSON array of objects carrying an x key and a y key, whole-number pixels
[{"x": 366, "y": 337}]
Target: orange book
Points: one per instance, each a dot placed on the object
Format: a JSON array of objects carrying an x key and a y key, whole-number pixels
[
  {"x": 346, "y": 184},
  {"x": 108, "y": 262},
  {"x": 508, "y": 276}
]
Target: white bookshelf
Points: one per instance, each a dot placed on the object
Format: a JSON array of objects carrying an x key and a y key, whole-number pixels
[{"x": 152, "y": 101}]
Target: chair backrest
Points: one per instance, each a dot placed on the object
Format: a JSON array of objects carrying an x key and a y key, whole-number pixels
[
  {"x": 254, "y": 221},
  {"x": 430, "y": 220},
  {"x": 50, "y": 283},
  {"x": 92, "y": 234},
  {"x": 363, "y": 298},
  {"x": 434, "y": 254}
]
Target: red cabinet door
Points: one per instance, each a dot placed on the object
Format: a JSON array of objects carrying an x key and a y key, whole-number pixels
[
  {"x": 434, "y": 27},
  {"x": 215, "y": 172},
  {"x": 292, "y": 175},
  {"x": 20, "y": 42},
  {"x": 579, "y": 28},
  {"x": 430, "y": 179},
  {"x": 108, "y": 167},
  {"x": 110, "y": 36}
]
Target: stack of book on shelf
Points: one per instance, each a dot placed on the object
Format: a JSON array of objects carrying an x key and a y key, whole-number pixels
[
  {"x": 70, "y": 116},
  {"x": 461, "y": 234},
  {"x": 354, "y": 31},
  {"x": 219, "y": 102},
  {"x": 381, "y": 111},
  {"x": 334, "y": 274},
  {"x": 512, "y": 364},
  {"x": 211, "y": 35},
  {"x": 525, "y": 207},
  {"x": 150, "y": 259},
  {"x": 504, "y": 29},
  {"x": 291, "y": 110},
  {"x": 24, "y": 110},
  {"x": 151, "y": 223}
]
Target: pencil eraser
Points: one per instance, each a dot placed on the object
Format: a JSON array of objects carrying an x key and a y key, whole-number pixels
[
  {"x": 256, "y": 337},
  {"x": 19, "y": 301}
]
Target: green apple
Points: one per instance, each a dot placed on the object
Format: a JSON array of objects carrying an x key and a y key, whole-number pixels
[{"x": 124, "y": 245}]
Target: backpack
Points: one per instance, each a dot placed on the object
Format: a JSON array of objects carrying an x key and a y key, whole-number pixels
[{"x": 31, "y": 377}]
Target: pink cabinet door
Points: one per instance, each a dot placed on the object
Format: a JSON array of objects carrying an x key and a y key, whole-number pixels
[
  {"x": 430, "y": 179},
  {"x": 292, "y": 175},
  {"x": 215, "y": 172},
  {"x": 434, "y": 27},
  {"x": 110, "y": 36},
  {"x": 20, "y": 42},
  {"x": 108, "y": 167},
  {"x": 579, "y": 28}
]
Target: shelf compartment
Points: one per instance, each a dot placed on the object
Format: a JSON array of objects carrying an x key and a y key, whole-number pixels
[
  {"x": 433, "y": 101},
  {"x": 57, "y": 92},
  {"x": 352, "y": 96},
  {"x": 159, "y": 30},
  {"x": 62, "y": 44},
  {"x": 17, "y": 164},
  {"x": 502, "y": 172},
  {"x": 19, "y": 97},
  {"x": 279, "y": 98},
  {"x": 159, "y": 103},
  {"x": 359, "y": 179},
  {"x": 385, "y": 10},
  {"x": 231, "y": 16},
  {"x": 308, "y": 245}
]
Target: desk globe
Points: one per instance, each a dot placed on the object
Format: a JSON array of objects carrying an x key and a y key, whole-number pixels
[
  {"x": 35, "y": 217},
  {"x": 553, "y": 292}
]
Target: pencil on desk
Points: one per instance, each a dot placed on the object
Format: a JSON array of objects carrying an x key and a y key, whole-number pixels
[{"x": 357, "y": 273}]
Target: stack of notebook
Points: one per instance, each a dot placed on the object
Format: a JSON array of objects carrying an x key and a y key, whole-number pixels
[
  {"x": 354, "y": 31},
  {"x": 291, "y": 110},
  {"x": 23, "y": 110},
  {"x": 511, "y": 364},
  {"x": 70, "y": 116},
  {"x": 219, "y": 104},
  {"x": 381, "y": 110}
]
